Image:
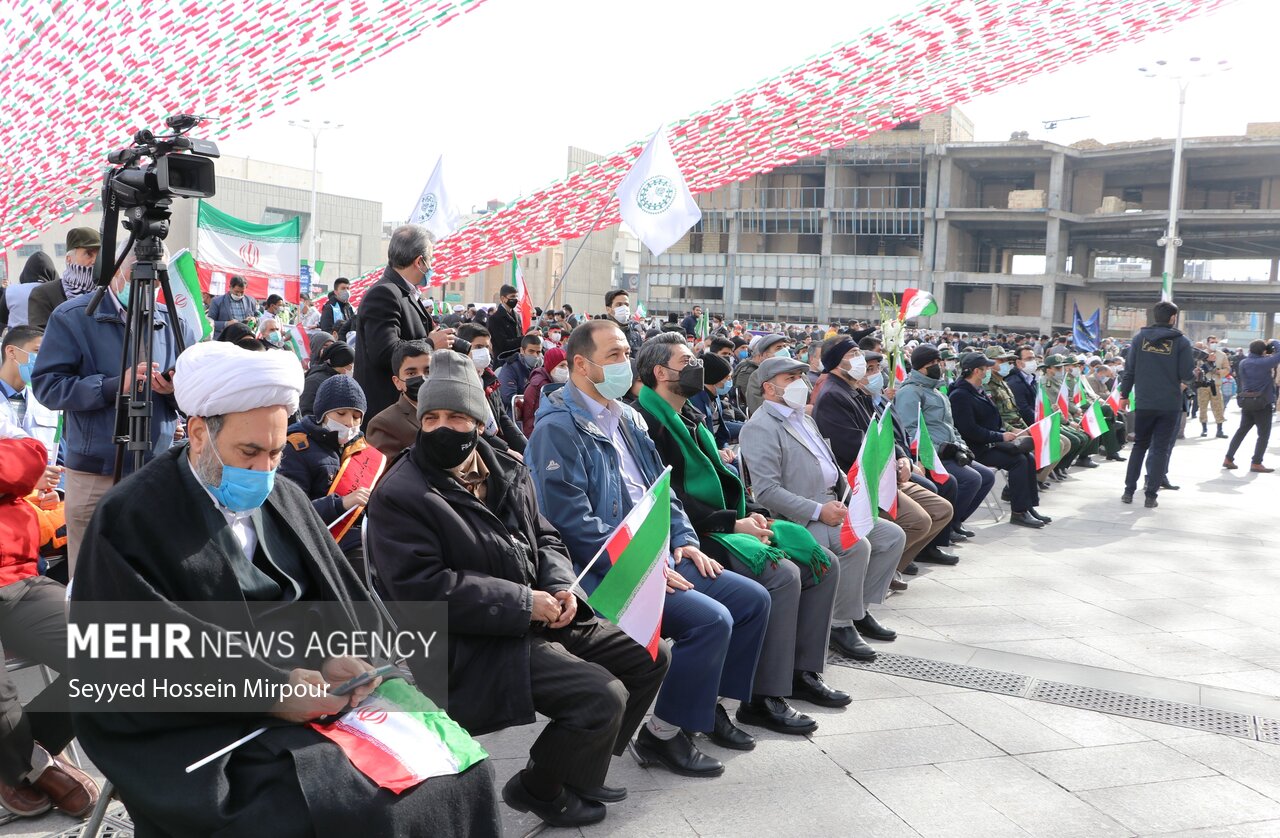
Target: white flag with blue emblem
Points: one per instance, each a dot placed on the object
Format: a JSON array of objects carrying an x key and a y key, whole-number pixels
[
  {"x": 434, "y": 210},
  {"x": 655, "y": 201}
]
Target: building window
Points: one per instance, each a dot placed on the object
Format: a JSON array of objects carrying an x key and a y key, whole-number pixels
[
  {"x": 26, "y": 251},
  {"x": 60, "y": 249}
]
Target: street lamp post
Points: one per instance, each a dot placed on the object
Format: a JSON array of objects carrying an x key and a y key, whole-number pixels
[
  {"x": 314, "y": 128},
  {"x": 1182, "y": 73}
]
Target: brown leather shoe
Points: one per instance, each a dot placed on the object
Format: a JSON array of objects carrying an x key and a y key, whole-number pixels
[
  {"x": 895, "y": 585},
  {"x": 1259, "y": 468},
  {"x": 70, "y": 789},
  {"x": 24, "y": 800}
]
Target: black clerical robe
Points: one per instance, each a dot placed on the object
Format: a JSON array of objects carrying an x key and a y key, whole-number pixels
[{"x": 157, "y": 537}]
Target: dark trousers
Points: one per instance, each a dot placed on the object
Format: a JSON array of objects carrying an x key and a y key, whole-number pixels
[
  {"x": 33, "y": 624},
  {"x": 595, "y": 684},
  {"x": 1154, "y": 432},
  {"x": 1020, "y": 468},
  {"x": 1261, "y": 419},
  {"x": 718, "y": 630},
  {"x": 946, "y": 491},
  {"x": 972, "y": 484}
]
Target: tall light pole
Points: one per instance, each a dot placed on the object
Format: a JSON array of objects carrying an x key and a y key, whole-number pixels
[
  {"x": 1182, "y": 72},
  {"x": 315, "y": 128}
]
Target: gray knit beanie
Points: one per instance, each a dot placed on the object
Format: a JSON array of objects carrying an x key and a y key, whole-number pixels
[{"x": 453, "y": 385}]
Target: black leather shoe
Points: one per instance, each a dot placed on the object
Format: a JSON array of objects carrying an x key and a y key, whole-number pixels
[
  {"x": 935, "y": 555},
  {"x": 777, "y": 714},
  {"x": 962, "y": 531},
  {"x": 846, "y": 641},
  {"x": 1024, "y": 519},
  {"x": 1086, "y": 462},
  {"x": 567, "y": 810},
  {"x": 1059, "y": 474},
  {"x": 1169, "y": 486},
  {"x": 600, "y": 794},
  {"x": 1039, "y": 517},
  {"x": 1150, "y": 502},
  {"x": 1127, "y": 497},
  {"x": 809, "y": 686},
  {"x": 869, "y": 626},
  {"x": 678, "y": 755},
  {"x": 1221, "y": 434},
  {"x": 728, "y": 735},
  {"x": 1044, "y": 485},
  {"x": 1116, "y": 458},
  {"x": 911, "y": 569},
  {"x": 956, "y": 538},
  {"x": 1004, "y": 494}
]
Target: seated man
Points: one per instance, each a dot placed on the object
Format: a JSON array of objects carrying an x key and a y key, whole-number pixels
[
  {"x": 978, "y": 420},
  {"x": 396, "y": 427},
  {"x": 456, "y": 521},
  {"x": 517, "y": 366},
  {"x": 1055, "y": 379},
  {"x": 794, "y": 473},
  {"x": 33, "y": 624},
  {"x": 782, "y": 556},
  {"x": 592, "y": 462},
  {"x": 997, "y": 388},
  {"x": 207, "y": 522}
]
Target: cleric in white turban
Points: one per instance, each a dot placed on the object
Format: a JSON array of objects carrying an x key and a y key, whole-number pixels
[{"x": 208, "y": 521}]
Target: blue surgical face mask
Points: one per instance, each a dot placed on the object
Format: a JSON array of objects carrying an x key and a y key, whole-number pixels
[
  {"x": 241, "y": 489},
  {"x": 123, "y": 296},
  {"x": 24, "y": 370},
  {"x": 986, "y": 377},
  {"x": 875, "y": 384},
  {"x": 1005, "y": 369},
  {"x": 274, "y": 337},
  {"x": 617, "y": 379},
  {"x": 723, "y": 389},
  {"x": 784, "y": 352},
  {"x": 742, "y": 354}
]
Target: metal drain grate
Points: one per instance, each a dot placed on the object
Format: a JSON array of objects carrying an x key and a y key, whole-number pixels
[
  {"x": 922, "y": 669},
  {"x": 1269, "y": 730},
  {"x": 1148, "y": 709},
  {"x": 115, "y": 824}
]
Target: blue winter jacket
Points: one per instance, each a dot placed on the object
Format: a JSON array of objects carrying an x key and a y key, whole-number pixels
[
  {"x": 311, "y": 459},
  {"x": 578, "y": 477},
  {"x": 78, "y": 371}
]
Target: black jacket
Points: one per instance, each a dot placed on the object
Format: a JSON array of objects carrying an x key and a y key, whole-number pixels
[
  {"x": 842, "y": 414},
  {"x": 1024, "y": 395},
  {"x": 975, "y": 416},
  {"x": 312, "y": 456},
  {"x": 311, "y": 382},
  {"x": 334, "y": 314},
  {"x": 1159, "y": 362},
  {"x": 504, "y": 331},
  {"x": 433, "y": 541},
  {"x": 43, "y": 301}
]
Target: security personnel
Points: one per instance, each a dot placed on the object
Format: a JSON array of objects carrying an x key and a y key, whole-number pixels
[
  {"x": 998, "y": 389},
  {"x": 1055, "y": 378},
  {"x": 1209, "y": 376}
]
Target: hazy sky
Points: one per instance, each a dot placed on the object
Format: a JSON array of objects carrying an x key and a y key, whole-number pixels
[{"x": 503, "y": 91}]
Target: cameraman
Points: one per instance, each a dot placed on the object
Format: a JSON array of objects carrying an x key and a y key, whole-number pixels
[
  {"x": 78, "y": 371},
  {"x": 1257, "y": 399},
  {"x": 1212, "y": 368}
]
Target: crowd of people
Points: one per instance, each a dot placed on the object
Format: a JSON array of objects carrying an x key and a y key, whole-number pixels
[{"x": 507, "y": 458}]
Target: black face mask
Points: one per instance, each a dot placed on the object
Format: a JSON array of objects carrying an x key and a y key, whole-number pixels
[
  {"x": 412, "y": 386},
  {"x": 934, "y": 372},
  {"x": 446, "y": 448},
  {"x": 692, "y": 380},
  {"x": 511, "y": 303}
]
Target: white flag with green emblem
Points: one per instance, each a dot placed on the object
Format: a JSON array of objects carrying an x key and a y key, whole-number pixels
[
  {"x": 655, "y": 200},
  {"x": 434, "y": 210}
]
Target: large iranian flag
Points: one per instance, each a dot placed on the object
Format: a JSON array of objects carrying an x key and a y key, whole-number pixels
[
  {"x": 917, "y": 303},
  {"x": 633, "y": 591},
  {"x": 398, "y": 737},
  {"x": 266, "y": 255},
  {"x": 922, "y": 447},
  {"x": 1047, "y": 435},
  {"x": 1093, "y": 422}
]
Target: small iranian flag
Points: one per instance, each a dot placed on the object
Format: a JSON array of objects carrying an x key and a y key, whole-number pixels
[
  {"x": 641, "y": 312},
  {"x": 398, "y": 737},
  {"x": 887, "y": 491},
  {"x": 1063, "y": 403},
  {"x": 184, "y": 281},
  {"x": 632, "y": 592},
  {"x": 524, "y": 305},
  {"x": 899, "y": 373},
  {"x": 1047, "y": 435},
  {"x": 1093, "y": 422},
  {"x": 917, "y": 303},
  {"x": 300, "y": 344},
  {"x": 860, "y": 512},
  {"x": 922, "y": 447},
  {"x": 1043, "y": 405},
  {"x": 1114, "y": 401},
  {"x": 703, "y": 327}
]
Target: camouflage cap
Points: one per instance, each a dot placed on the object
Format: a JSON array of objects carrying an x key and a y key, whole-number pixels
[
  {"x": 999, "y": 353},
  {"x": 947, "y": 355},
  {"x": 1056, "y": 360}
]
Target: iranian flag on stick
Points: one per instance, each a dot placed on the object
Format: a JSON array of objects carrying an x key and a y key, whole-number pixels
[
  {"x": 266, "y": 255},
  {"x": 860, "y": 512},
  {"x": 300, "y": 343},
  {"x": 398, "y": 737},
  {"x": 917, "y": 303},
  {"x": 887, "y": 491},
  {"x": 633, "y": 590},
  {"x": 524, "y": 306},
  {"x": 184, "y": 281},
  {"x": 922, "y": 447},
  {"x": 1093, "y": 422},
  {"x": 1114, "y": 400},
  {"x": 1043, "y": 406},
  {"x": 1047, "y": 435},
  {"x": 1063, "y": 403}
]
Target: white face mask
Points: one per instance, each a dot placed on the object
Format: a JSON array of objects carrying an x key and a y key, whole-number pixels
[
  {"x": 796, "y": 394},
  {"x": 345, "y": 433},
  {"x": 857, "y": 368},
  {"x": 481, "y": 358},
  {"x": 622, "y": 314},
  {"x": 560, "y": 375}
]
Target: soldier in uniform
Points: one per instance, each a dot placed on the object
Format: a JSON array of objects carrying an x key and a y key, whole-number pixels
[
  {"x": 1055, "y": 378},
  {"x": 1209, "y": 377},
  {"x": 998, "y": 389}
]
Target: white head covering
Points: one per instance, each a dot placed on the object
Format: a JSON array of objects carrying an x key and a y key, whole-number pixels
[{"x": 216, "y": 378}]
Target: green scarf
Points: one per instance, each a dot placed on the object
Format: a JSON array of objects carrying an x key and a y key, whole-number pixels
[{"x": 705, "y": 477}]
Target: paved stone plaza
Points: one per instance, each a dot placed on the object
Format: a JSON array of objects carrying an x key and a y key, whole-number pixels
[{"x": 1176, "y": 609}]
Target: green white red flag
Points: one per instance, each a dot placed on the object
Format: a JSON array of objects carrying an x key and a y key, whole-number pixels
[
  {"x": 266, "y": 255},
  {"x": 187, "y": 302},
  {"x": 860, "y": 511},
  {"x": 632, "y": 592},
  {"x": 398, "y": 738},
  {"x": 300, "y": 344},
  {"x": 1063, "y": 403},
  {"x": 1043, "y": 405},
  {"x": 917, "y": 303},
  {"x": 922, "y": 447},
  {"x": 1114, "y": 401},
  {"x": 1047, "y": 435},
  {"x": 1093, "y": 422},
  {"x": 524, "y": 304},
  {"x": 887, "y": 491}
]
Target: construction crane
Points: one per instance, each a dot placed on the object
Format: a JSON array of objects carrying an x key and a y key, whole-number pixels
[{"x": 1050, "y": 124}]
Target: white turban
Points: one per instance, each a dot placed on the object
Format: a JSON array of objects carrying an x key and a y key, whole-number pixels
[{"x": 216, "y": 378}]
